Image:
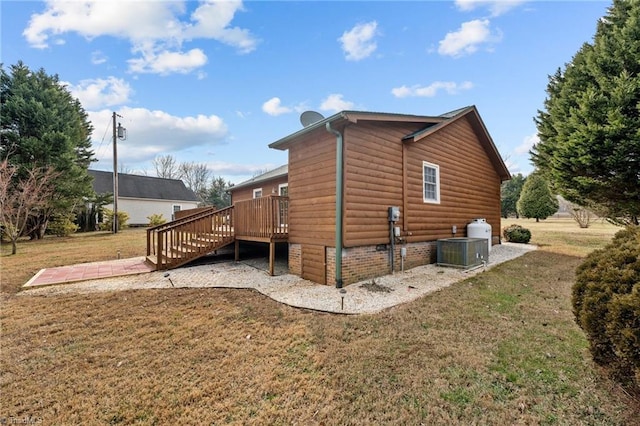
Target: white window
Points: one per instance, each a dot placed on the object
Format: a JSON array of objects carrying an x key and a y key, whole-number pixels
[
  {"x": 257, "y": 193},
  {"x": 283, "y": 189},
  {"x": 431, "y": 182},
  {"x": 176, "y": 208}
]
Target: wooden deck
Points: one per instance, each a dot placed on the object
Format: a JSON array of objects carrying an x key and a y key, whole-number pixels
[{"x": 175, "y": 243}]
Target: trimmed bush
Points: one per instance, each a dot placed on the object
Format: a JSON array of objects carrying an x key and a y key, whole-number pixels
[
  {"x": 107, "y": 225},
  {"x": 62, "y": 225},
  {"x": 606, "y": 304},
  {"x": 156, "y": 219},
  {"x": 516, "y": 234}
]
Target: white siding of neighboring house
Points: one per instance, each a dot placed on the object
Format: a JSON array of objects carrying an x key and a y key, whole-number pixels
[{"x": 139, "y": 209}]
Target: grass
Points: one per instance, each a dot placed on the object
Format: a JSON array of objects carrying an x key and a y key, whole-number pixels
[
  {"x": 498, "y": 348},
  {"x": 563, "y": 235},
  {"x": 57, "y": 251}
]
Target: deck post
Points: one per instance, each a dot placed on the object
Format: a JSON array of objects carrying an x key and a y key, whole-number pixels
[
  {"x": 237, "y": 249},
  {"x": 272, "y": 255},
  {"x": 159, "y": 253}
]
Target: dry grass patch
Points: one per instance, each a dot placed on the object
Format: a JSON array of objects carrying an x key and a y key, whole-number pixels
[
  {"x": 61, "y": 251},
  {"x": 563, "y": 235},
  {"x": 148, "y": 357},
  {"x": 499, "y": 348}
]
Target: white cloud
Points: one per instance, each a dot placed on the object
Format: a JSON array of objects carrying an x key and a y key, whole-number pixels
[
  {"x": 431, "y": 90},
  {"x": 334, "y": 102},
  {"x": 155, "y": 29},
  {"x": 212, "y": 20},
  {"x": 527, "y": 143},
  {"x": 273, "y": 107},
  {"x": 100, "y": 93},
  {"x": 358, "y": 42},
  {"x": 512, "y": 166},
  {"x": 166, "y": 62},
  {"x": 467, "y": 38},
  {"x": 496, "y": 7},
  {"x": 98, "y": 57},
  {"x": 152, "y": 133}
]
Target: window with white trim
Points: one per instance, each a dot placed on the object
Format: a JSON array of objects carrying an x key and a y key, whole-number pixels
[
  {"x": 176, "y": 208},
  {"x": 257, "y": 193},
  {"x": 430, "y": 182},
  {"x": 283, "y": 189}
]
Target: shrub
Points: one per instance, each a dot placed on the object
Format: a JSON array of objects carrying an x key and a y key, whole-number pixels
[
  {"x": 517, "y": 234},
  {"x": 156, "y": 219},
  {"x": 107, "y": 225},
  {"x": 606, "y": 304},
  {"x": 62, "y": 225}
]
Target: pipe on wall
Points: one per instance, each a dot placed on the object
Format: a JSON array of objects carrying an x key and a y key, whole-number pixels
[{"x": 339, "y": 202}]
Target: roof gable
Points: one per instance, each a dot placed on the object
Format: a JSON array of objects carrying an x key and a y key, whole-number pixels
[
  {"x": 479, "y": 128},
  {"x": 135, "y": 186}
]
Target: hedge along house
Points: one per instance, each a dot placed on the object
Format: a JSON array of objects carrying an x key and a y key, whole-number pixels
[
  {"x": 346, "y": 171},
  {"x": 143, "y": 196}
]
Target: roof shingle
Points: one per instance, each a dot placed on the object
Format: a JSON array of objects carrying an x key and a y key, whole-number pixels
[{"x": 134, "y": 186}]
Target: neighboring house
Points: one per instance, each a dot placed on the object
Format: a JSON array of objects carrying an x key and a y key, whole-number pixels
[
  {"x": 273, "y": 182},
  {"x": 143, "y": 196},
  {"x": 345, "y": 171}
]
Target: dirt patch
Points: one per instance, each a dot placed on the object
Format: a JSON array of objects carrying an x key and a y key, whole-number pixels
[{"x": 374, "y": 287}]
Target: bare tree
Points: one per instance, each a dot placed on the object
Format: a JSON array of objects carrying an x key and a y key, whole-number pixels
[
  {"x": 22, "y": 198},
  {"x": 581, "y": 215},
  {"x": 166, "y": 167},
  {"x": 195, "y": 177}
]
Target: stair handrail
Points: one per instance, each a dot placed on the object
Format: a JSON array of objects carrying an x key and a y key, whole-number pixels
[{"x": 166, "y": 227}]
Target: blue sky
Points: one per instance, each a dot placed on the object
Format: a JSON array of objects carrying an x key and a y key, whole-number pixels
[{"x": 216, "y": 82}]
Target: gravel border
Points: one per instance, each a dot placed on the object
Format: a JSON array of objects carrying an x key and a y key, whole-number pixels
[{"x": 365, "y": 297}]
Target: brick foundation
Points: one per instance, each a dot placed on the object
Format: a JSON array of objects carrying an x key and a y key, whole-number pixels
[
  {"x": 365, "y": 262},
  {"x": 295, "y": 259}
]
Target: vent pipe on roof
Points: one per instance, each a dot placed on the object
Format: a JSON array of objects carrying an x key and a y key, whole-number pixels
[{"x": 339, "y": 203}]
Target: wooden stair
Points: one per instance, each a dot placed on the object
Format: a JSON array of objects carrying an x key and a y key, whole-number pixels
[{"x": 175, "y": 243}]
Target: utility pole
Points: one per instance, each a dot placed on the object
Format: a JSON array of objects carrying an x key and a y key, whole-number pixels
[{"x": 118, "y": 133}]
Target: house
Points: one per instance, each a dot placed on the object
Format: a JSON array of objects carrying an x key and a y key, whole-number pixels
[
  {"x": 272, "y": 182},
  {"x": 366, "y": 192},
  {"x": 346, "y": 171},
  {"x": 143, "y": 196}
]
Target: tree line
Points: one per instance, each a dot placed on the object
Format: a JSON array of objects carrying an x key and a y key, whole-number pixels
[{"x": 210, "y": 190}]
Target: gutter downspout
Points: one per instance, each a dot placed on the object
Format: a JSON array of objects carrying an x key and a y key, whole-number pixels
[{"x": 339, "y": 202}]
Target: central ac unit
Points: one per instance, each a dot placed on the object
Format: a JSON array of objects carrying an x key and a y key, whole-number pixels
[{"x": 462, "y": 252}]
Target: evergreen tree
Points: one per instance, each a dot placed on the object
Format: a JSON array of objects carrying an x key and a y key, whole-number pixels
[
  {"x": 589, "y": 146},
  {"x": 42, "y": 125},
  {"x": 218, "y": 193},
  {"x": 509, "y": 195},
  {"x": 536, "y": 200}
]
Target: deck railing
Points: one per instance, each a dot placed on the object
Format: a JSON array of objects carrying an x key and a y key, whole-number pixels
[
  {"x": 177, "y": 242},
  {"x": 263, "y": 219}
]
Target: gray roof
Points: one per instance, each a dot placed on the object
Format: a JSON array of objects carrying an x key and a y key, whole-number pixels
[
  {"x": 271, "y": 174},
  {"x": 134, "y": 186}
]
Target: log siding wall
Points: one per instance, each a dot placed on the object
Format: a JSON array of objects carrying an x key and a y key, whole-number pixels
[
  {"x": 469, "y": 184},
  {"x": 383, "y": 171},
  {"x": 312, "y": 190}
]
